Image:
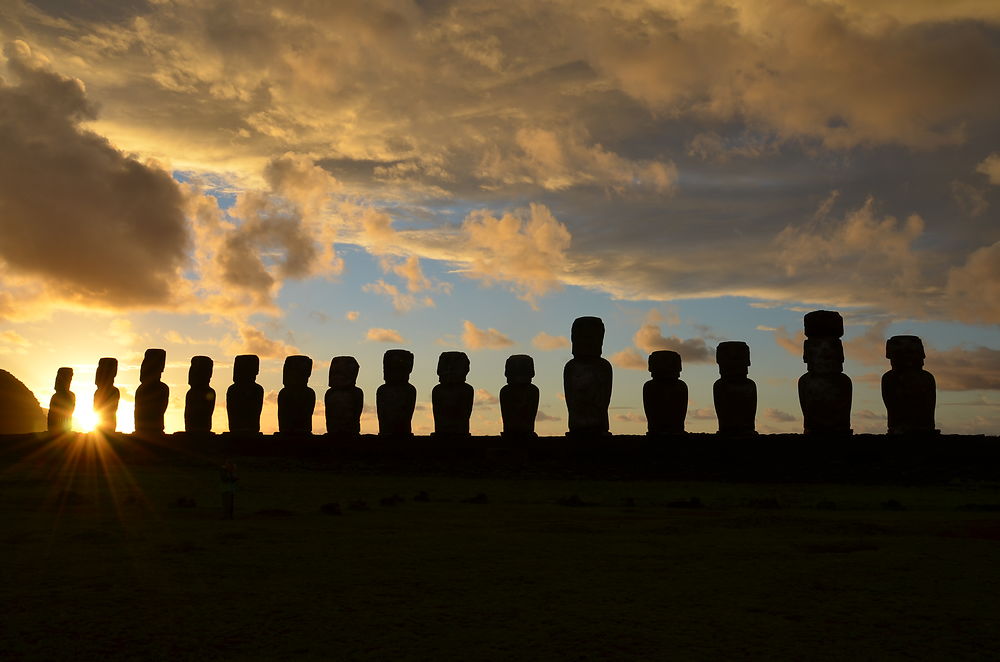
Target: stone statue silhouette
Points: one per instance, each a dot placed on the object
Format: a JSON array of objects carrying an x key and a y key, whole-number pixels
[
  {"x": 396, "y": 398},
  {"x": 63, "y": 403},
  {"x": 452, "y": 398},
  {"x": 909, "y": 391},
  {"x": 296, "y": 401},
  {"x": 245, "y": 397},
  {"x": 825, "y": 392},
  {"x": 344, "y": 400},
  {"x": 152, "y": 396},
  {"x": 107, "y": 395},
  {"x": 519, "y": 398},
  {"x": 587, "y": 380},
  {"x": 734, "y": 393},
  {"x": 665, "y": 396},
  {"x": 199, "y": 404}
]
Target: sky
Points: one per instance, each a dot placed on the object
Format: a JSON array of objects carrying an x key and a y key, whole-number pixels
[{"x": 340, "y": 178}]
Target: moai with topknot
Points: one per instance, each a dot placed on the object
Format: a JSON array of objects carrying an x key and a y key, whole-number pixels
[
  {"x": 152, "y": 396},
  {"x": 199, "y": 404},
  {"x": 825, "y": 392},
  {"x": 452, "y": 398},
  {"x": 519, "y": 398},
  {"x": 107, "y": 395},
  {"x": 344, "y": 400},
  {"x": 63, "y": 403},
  {"x": 587, "y": 380},
  {"x": 245, "y": 397},
  {"x": 665, "y": 396},
  {"x": 734, "y": 393},
  {"x": 397, "y": 397},
  {"x": 909, "y": 391},
  {"x": 296, "y": 401}
]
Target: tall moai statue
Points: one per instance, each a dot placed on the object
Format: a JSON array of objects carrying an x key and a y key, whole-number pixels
[
  {"x": 199, "y": 404},
  {"x": 152, "y": 396},
  {"x": 734, "y": 393},
  {"x": 825, "y": 391},
  {"x": 107, "y": 395},
  {"x": 452, "y": 398},
  {"x": 63, "y": 403},
  {"x": 587, "y": 380},
  {"x": 245, "y": 397},
  {"x": 665, "y": 396},
  {"x": 909, "y": 391},
  {"x": 397, "y": 397},
  {"x": 344, "y": 400},
  {"x": 519, "y": 398},
  {"x": 296, "y": 401}
]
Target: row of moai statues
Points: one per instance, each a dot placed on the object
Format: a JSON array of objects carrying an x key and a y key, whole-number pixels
[{"x": 825, "y": 392}]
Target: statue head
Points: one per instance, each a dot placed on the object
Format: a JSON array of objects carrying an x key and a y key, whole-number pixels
[
  {"x": 905, "y": 352},
  {"x": 296, "y": 370},
  {"x": 245, "y": 368},
  {"x": 733, "y": 358},
  {"x": 64, "y": 377},
  {"x": 519, "y": 369},
  {"x": 587, "y": 336},
  {"x": 107, "y": 370},
  {"x": 453, "y": 367},
  {"x": 153, "y": 363},
  {"x": 823, "y": 355},
  {"x": 343, "y": 371},
  {"x": 823, "y": 323},
  {"x": 665, "y": 364},
  {"x": 397, "y": 364},
  {"x": 200, "y": 372}
]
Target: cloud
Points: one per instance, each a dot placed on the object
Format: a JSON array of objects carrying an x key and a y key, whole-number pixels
[
  {"x": 95, "y": 226},
  {"x": 541, "y": 417},
  {"x": 965, "y": 369},
  {"x": 547, "y": 342},
  {"x": 779, "y": 416},
  {"x": 649, "y": 338},
  {"x": 12, "y": 342},
  {"x": 485, "y": 398},
  {"x": 476, "y": 338},
  {"x": 529, "y": 253},
  {"x": 990, "y": 166},
  {"x": 401, "y": 301},
  {"x": 254, "y": 341},
  {"x": 970, "y": 199},
  {"x": 629, "y": 359},
  {"x": 630, "y": 417},
  {"x": 974, "y": 287},
  {"x": 384, "y": 335},
  {"x": 352, "y": 315}
]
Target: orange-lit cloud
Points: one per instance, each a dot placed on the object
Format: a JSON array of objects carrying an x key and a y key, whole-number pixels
[
  {"x": 475, "y": 338},
  {"x": 384, "y": 335},
  {"x": 547, "y": 342}
]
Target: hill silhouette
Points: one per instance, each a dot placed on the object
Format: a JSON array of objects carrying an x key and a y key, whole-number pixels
[{"x": 19, "y": 409}]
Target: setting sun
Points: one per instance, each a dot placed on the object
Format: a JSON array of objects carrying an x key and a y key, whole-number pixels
[{"x": 84, "y": 419}]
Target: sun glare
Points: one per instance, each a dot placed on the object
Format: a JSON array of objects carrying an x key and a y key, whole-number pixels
[{"x": 84, "y": 419}]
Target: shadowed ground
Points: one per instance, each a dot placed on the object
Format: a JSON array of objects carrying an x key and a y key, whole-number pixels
[{"x": 99, "y": 561}]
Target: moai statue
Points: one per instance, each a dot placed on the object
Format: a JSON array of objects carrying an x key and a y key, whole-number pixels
[
  {"x": 296, "y": 401},
  {"x": 735, "y": 394},
  {"x": 106, "y": 396},
  {"x": 397, "y": 397},
  {"x": 825, "y": 391},
  {"x": 152, "y": 396},
  {"x": 63, "y": 403},
  {"x": 344, "y": 400},
  {"x": 909, "y": 391},
  {"x": 245, "y": 398},
  {"x": 587, "y": 380},
  {"x": 665, "y": 396},
  {"x": 519, "y": 398},
  {"x": 452, "y": 399},
  {"x": 199, "y": 404}
]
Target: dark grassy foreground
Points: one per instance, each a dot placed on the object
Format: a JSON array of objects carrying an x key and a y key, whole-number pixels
[{"x": 98, "y": 562}]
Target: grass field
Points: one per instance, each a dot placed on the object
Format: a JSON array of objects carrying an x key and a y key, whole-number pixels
[{"x": 99, "y": 562}]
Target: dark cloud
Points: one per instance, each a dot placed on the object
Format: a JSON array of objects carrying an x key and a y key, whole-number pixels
[{"x": 97, "y": 226}]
